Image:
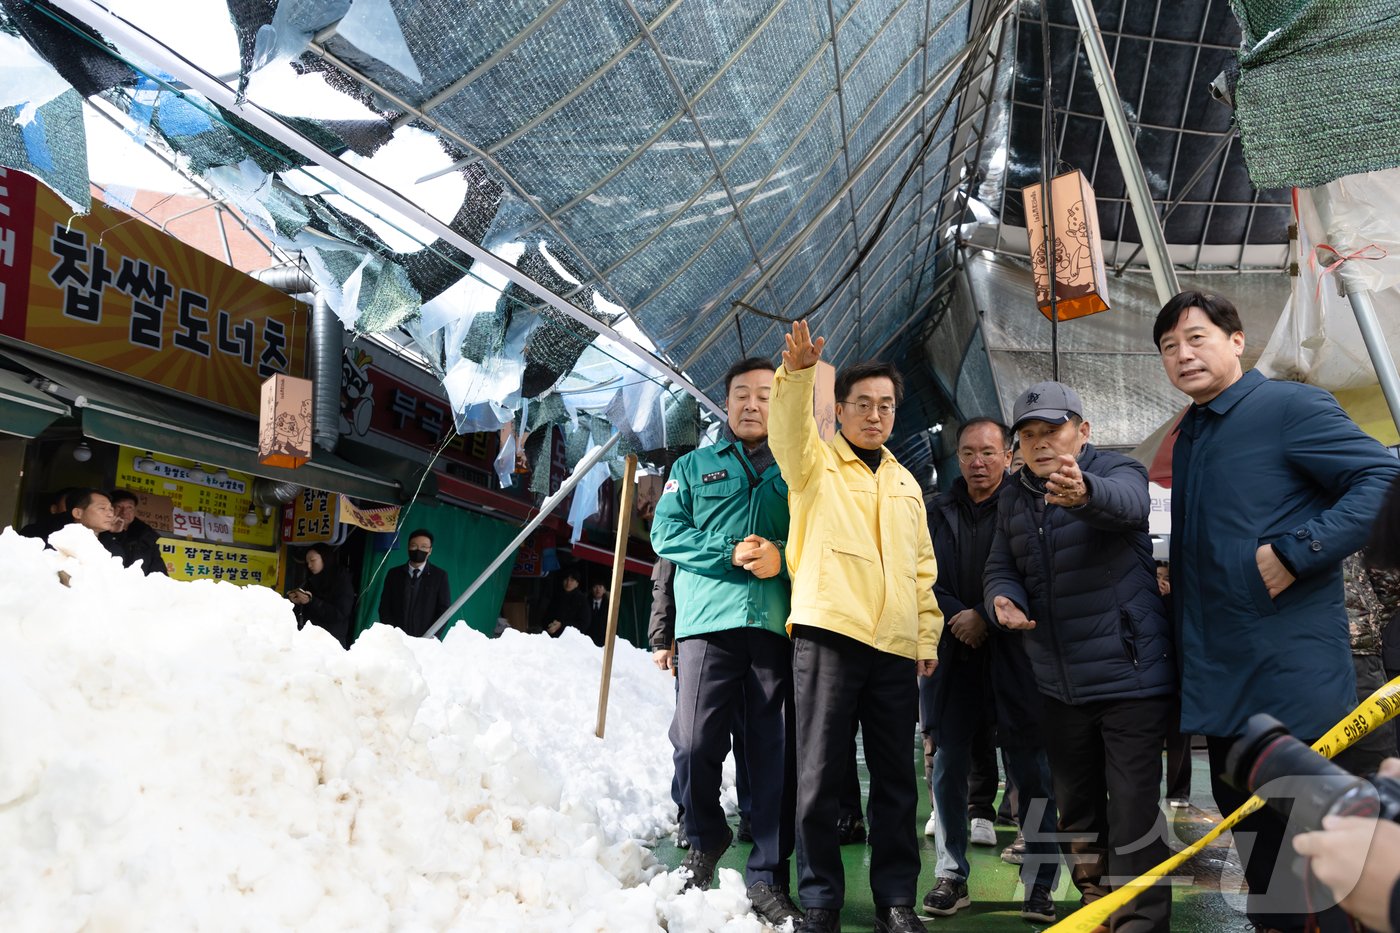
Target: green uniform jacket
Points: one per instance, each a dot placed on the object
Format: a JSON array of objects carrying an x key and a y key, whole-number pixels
[{"x": 712, "y": 501}]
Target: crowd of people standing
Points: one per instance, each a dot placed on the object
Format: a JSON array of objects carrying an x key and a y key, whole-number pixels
[{"x": 815, "y": 594}]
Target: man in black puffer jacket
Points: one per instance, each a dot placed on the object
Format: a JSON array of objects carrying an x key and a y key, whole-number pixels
[{"x": 1071, "y": 565}]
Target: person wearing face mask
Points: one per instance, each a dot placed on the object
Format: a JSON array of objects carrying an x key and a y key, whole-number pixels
[{"x": 417, "y": 593}]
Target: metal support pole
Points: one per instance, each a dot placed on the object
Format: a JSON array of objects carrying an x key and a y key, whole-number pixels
[
  {"x": 546, "y": 507},
  {"x": 1354, "y": 287},
  {"x": 624, "y": 530},
  {"x": 1154, "y": 242}
]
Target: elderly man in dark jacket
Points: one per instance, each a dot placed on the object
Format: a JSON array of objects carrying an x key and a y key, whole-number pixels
[
  {"x": 1072, "y": 567},
  {"x": 983, "y": 682},
  {"x": 1272, "y": 487}
]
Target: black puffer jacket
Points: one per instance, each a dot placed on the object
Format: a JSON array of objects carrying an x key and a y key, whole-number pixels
[{"x": 1087, "y": 578}]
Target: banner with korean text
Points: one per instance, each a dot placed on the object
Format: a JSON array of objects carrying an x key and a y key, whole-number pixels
[
  {"x": 115, "y": 292},
  {"x": 208, "y": 502},
  {"x": 187, "y": 560}
]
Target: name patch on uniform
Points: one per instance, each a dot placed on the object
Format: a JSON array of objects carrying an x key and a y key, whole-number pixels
[
  {"x": 715, "y": 477},
  {"x": 671, "y": 486}
]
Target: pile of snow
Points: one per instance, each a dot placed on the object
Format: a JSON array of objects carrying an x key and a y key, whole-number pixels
[{"x": 177, "y": 756}]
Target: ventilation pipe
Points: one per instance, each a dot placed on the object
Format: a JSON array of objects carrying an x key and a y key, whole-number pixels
[{"x": 325, "y": 350}]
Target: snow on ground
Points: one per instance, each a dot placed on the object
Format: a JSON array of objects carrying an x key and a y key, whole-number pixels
[{"x": 177, "y": 756}]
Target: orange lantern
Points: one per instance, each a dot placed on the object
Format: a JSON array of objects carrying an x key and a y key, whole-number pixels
[
  {"x": 1081, "y": 283},
  {"x": 284, "y": 422}
]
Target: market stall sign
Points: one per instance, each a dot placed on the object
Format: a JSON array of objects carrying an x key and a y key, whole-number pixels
[
  {"x": 117, "y": 293},
  {"x": 185, "y": 560}
]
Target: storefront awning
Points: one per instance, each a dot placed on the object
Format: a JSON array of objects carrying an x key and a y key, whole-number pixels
[
  {"x": 121, "y": 413},
  {"x": 24, "y": 410}
]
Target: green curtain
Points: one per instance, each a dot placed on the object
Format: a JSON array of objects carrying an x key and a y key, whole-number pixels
[{"x": 464, "y": 543}]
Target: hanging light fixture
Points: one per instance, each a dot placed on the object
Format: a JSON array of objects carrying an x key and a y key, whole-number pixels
[{"x": 82, "y": 453}]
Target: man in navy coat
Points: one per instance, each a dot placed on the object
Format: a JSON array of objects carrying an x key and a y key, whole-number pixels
[{"x": 1272, "y": 487}]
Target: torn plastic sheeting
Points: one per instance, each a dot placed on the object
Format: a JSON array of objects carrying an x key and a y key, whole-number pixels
[
  {"x": 373, "y": 28},
  {"x": 484, "y": 396},
  {"x": 505, "y": 462},
  {"x": 292, "y": 26},
  {"x": 636, "y": 411},
  {"x": 27, "y": 79},
  {"x": 1317, "y": 339},
  {"x": 585, "y": 502}
]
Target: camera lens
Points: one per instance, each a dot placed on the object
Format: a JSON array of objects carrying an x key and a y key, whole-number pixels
[{"x": 1268, "y": 761}]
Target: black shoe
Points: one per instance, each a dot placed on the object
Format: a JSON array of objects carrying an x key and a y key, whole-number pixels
[
  {"x": 701, "y": 865},
  {"x": 820, "y": 920},
  {"x": 772, "y": 904},
  {"x": 900, "y": 919},
  {"x": 850, "y": 829},
  {"x": 745, "y": 833},
  {"x": 1015, "y": 854},
  {"x": 1039, "y": 905},
  {"x": 947, "y": 898}
]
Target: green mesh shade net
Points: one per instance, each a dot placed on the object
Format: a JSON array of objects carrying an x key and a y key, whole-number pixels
[{"x": 1316, "y": 92}]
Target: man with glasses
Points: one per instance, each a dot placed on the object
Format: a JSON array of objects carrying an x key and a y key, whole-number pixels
[
  {"x": 984, "y": 684},
  {"x": 864, "y": 622}
]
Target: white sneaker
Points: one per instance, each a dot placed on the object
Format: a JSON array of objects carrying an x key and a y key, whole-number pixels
[
  {"x": 931, "y": 827},
  {"x": 983, "y": 833}
]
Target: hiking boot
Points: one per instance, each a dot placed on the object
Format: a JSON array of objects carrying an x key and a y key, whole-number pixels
[
  {"x": 701, "y": 865},
  {"x": 681, "y": 841},
  {"x": 819, "y": 920},
  {"x": 850, "y": 829},
  {"x": 745, "y": 833},
  {"x": 947, "y": 898},
  {"x": 1015, "y": 854},
  {"x": 1039, "y": 905},
  {"x": 983, "y": 833},
  {"x": 901, "y": 919},
  {"x": 772, "y": 904}
]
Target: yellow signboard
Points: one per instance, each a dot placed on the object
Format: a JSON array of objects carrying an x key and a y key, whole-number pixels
[
  {"x": 209, "y": 503},
  {"x": 187, "y": 560},
  {"x": 116, "y": 292},
  {"x": 380, "y": 519}
]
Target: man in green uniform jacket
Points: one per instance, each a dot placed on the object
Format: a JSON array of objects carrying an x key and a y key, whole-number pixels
[{"x": 723, "y": 521}]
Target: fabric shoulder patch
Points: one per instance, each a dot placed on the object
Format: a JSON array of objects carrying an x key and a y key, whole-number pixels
[{"x": 671, "y": 486}]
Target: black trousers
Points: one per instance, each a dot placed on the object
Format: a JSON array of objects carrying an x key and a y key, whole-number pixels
[
  {"x": 1277, "y": 897},
  {"x": 836, "y": 679},
  {"x": 752, "y": 669},
  {"x": 1106, "y": 768},
  {"x": 983, "y": 777}
]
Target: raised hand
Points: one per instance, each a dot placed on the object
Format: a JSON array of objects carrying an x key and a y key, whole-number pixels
[
  {"x": 801, "y": 351},
  {"x": 1066, "y": 486}
]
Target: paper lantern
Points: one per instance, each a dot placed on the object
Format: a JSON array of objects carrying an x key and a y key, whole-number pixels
[
  {"x": 1081, "y": 284},
  {"x": 284, "y": 422}
]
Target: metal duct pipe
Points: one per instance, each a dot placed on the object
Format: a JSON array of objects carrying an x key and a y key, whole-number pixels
[
  {"x": 273, "y": 492},
  {"x": 326, "y": 350},
  {"x": 293, "y": 280}
]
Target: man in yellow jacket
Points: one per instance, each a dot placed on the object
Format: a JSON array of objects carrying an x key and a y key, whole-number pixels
[{"x": 864, "y": 621}]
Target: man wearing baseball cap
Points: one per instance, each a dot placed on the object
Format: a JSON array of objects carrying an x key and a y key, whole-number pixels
[{"x": 1071, "y": 566}]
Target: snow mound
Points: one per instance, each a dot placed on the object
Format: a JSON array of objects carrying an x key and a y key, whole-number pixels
[{"x": 177, "y": 756}]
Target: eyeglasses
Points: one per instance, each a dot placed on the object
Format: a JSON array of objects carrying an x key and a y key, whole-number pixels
[
  {"x": 886, "y": 409},
  {"x": 986, "y": 456}
]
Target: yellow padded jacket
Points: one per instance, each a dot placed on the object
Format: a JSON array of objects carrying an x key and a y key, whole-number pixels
[{"x": 858, "y": 547}]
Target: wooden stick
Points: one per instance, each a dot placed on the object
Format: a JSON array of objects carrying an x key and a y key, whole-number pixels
[{"x": 624, "y": 529}]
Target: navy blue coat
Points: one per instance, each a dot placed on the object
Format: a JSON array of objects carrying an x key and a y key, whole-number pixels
[
  {"x": 1087, "y": 578},
  {"x": 992, "y": 684},
  {"x": 1277, "y": 463}
]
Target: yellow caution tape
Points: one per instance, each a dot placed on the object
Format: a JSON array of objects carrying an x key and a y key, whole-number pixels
[{"x": 1378, "y": 708}]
